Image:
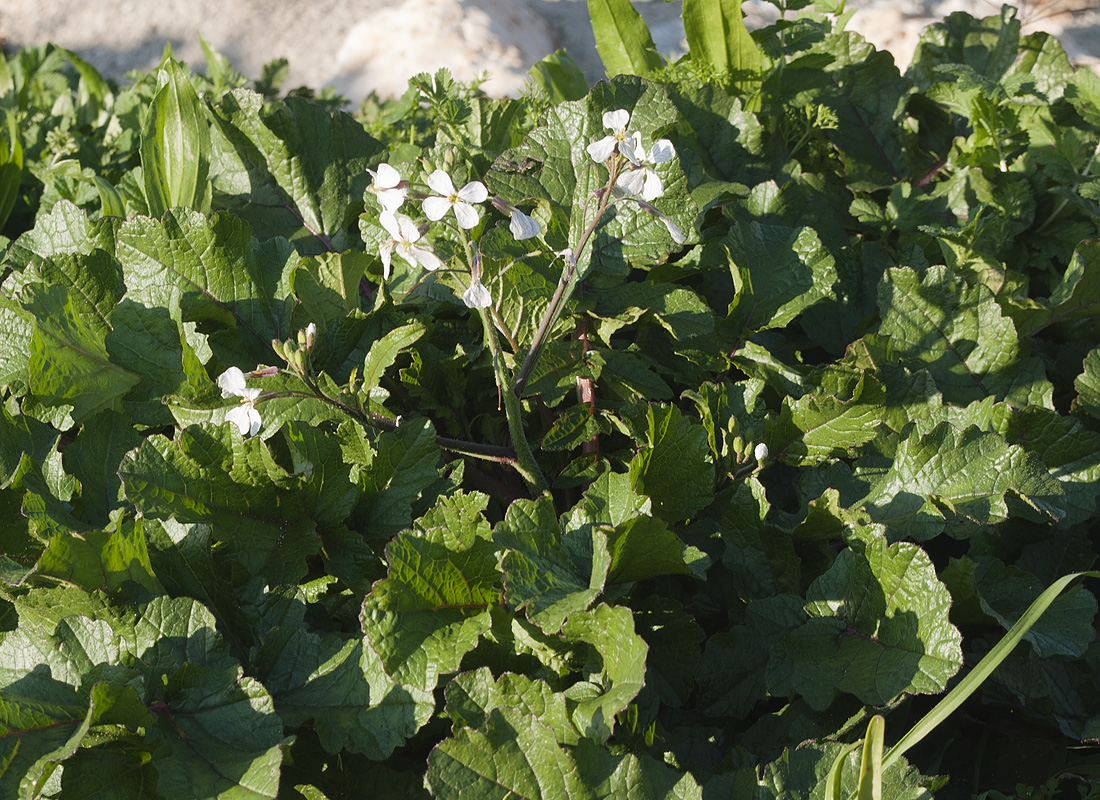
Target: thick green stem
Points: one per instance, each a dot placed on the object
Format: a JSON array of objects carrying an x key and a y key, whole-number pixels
[{"x": 525, "y": 464}]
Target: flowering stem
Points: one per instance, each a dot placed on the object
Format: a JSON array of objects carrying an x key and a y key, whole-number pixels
[
  {"x": 567, "y": 281},
  {"x": 525, "y": 464}
]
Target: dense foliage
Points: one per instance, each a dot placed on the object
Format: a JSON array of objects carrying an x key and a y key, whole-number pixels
[{"x": 688, "y": 436}]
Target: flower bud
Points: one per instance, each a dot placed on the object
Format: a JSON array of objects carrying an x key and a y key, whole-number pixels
[
  {"x": 311, "y": 336},
  {"x": 761, "y": 452}
]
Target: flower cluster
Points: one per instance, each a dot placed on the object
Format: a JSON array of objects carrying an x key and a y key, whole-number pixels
[
  {"x": 245, "y": 416},
  {"x": 640, "y": 177},
  {"x": 405, "y": 236}
]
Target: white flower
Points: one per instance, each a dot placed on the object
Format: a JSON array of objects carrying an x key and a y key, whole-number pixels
[
  {"x": 760, "y": 452},
  {"x": 522, "y": 226},
  {"x": 642, "y": 178},
  {"x": 435, "y": 207},
  {"x": 403, "y": 238},
  {"x": 616, "y": 121},
  {"x": 477, "y": 296},
  {"x": 387, "y": 188},
  {"x": 245, "y": 416}
]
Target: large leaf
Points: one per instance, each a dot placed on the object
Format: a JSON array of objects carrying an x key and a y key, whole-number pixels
[
  {"x": 68, "y": 361},
  {"x": 433, "y": 606},
  {"x": 957, "y": 331},
  {"x": 210, "y": 272},
  {"x": 960, "y": 481},
  {"x": 878, "y": 627},
  {"x": 212, "y": 476},
  {"x": 548, "y": 570},
  {"x": 674, "y": 467},
  {"x": 778, "y": 272},
  {"x": 298, "y": 171},
  {"x": 339, "y": 686},
  {"x": 161, "y": 671},
  {"x": 832, "y": 420}
]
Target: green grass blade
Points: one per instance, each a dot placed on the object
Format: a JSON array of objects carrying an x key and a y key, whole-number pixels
[
  {"x": 716, "y": 35},
  {"x": 870, "y": 770},
  {"x": 175, "y": 145},
  {"x": 622, "y": 38},
  {"x": 11, "y": 166},
  {"x": 968, "y": 685}
]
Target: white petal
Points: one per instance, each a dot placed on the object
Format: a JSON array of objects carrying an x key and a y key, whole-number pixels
[
  {"x": 631, "y": 148},
  {"x": 246, "y": 418},
  {"x": 662, "y": 151},
  {"x": 760, "y": 451},
  {"x": 425, "y": 258},
  {"x": 653, "y": 186},
  {"x": 232, "y": 382},
  {"x": 477, "y": 296},
  {"x": 407, "y": 229},
  {"x": 473, "y": 192},
  {"x": 384, "y": 251},
  {"x": 391, "y": 200},
  {"x": 616, "y": 120},
  {"x": 441, "y": 182},
  {"x": 466, "y": 215},
  {"x": 602, "y": 150},
  {"x": 523, "y": 226},
  {"x": 630, "y": 182},
  {"x": 386, "y": 177},
  {"x": 388, "y": 220},
  {"x": 435, "y": 207}
]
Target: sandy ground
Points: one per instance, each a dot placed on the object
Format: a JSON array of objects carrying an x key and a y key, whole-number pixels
[{"x": 359, "y": 45}]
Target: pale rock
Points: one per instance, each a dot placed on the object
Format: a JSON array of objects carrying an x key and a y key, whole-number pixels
[{"x": 499, "y": 37}]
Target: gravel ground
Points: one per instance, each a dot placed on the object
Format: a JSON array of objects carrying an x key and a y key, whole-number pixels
[{"x": 359, "y": 45}]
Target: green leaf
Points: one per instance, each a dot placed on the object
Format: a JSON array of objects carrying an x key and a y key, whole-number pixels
[
  {"x": 559, "y": 76},
  {"x": 1069, "y": 451},
  {"x": 1066, "y": 627},
  {"x": 175, "y": 145},
  {"x": 213, "y": 731},
  {"x": 513, "y": 755},
  {"x": 339, "y": 686},
  {"x": 613, "y": 670},
  {"x": 384, "y": 352},
  {"x": 732, "y": 674},
  {"x": 1088, "y": 384},
  {"x": 832, "y": 420},
  {"x": 878, "y": 627},
  {"x": 406, "y": 462},
  {"x": 622, "y": 38},
  {"x": 957, "y": 332},
  {"x": 549, "y": 570},
  {"x": 68, "y": 358},
  {"x": 212, "y": 476},
  {"x": 100, "y": 560},
  {"x": 327, "y": 286},
  {"x": 960, "y": 481},
  {"x": 433, "y": 606},
  {"x": 210, "y": 271},
  {"x": 778, "y": 273},
  {"x": 673, "y": 467},
  {"x": 297, "y": 171},
  {"x": 716, "y": 35},
  {"x": 1075, "y": 296},
  {"x": 472, "y": 696}
]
